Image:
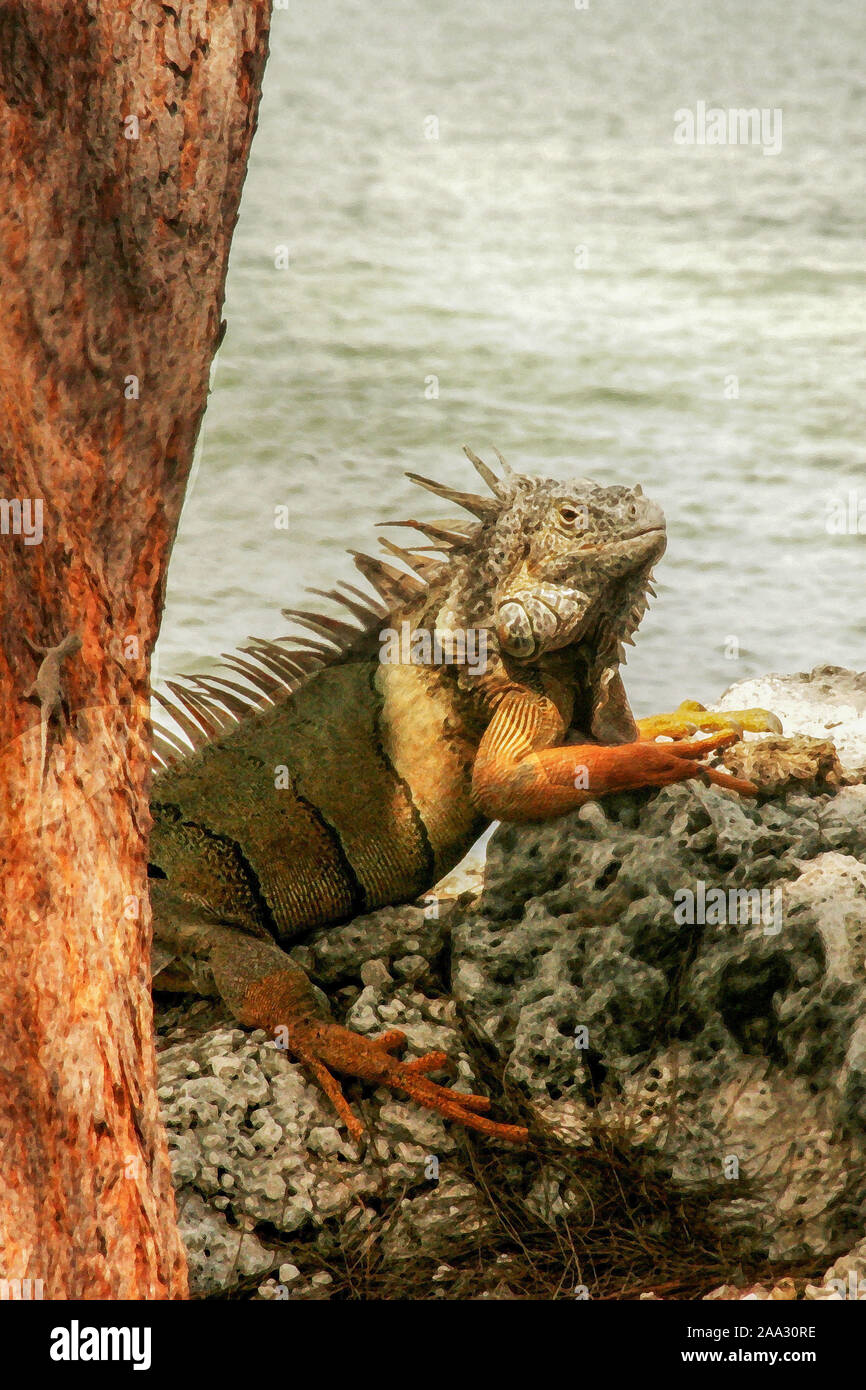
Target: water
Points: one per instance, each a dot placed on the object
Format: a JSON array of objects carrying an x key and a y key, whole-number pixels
[{"x": 454, "y": 258}]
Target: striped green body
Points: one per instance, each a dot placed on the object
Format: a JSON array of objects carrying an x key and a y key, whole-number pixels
[
  {"x": 351, "y": 793},
  {"x": 353, "y": 788}
]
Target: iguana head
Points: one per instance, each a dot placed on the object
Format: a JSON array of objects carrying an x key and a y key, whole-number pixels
[
  {"x": 551, "y": 567},
  {"x": 549, "y": 564},
  {"x": 578, "y": 553},
  {"x": 547, "y": 571}
]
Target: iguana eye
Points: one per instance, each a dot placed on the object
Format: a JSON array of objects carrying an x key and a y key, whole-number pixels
[{"x": 569, "y": 516}]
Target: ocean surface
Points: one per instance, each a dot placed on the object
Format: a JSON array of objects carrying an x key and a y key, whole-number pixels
[{"x": 492, "y": 237}]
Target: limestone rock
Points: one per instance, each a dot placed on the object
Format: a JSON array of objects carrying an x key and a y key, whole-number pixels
[
  {"x": 827, "y": 702},
  {"x": 253, "y": 1142},
  {"x": 688, "y": 970},
  {"x": 217, "y": 1253},
  {"x": 437, "y": 1221}
]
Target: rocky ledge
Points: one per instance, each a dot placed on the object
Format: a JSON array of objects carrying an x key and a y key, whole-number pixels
[{"x": 670, "y": 986}]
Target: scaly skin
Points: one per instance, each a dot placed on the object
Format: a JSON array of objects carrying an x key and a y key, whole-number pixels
[{"x": 368, "y": 779}]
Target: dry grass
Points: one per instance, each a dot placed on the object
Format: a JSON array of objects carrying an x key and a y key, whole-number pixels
[{"x": 627, "y": 1231}]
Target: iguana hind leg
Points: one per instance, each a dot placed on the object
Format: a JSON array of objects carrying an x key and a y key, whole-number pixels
[
  {"x": 276, "y": 1002},
  {"x": 264, "y": 989},
  {"x": 521, "y": 774},
  {"x": 691, "y": 716}
]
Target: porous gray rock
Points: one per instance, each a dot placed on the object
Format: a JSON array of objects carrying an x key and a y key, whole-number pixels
[
  {"x": 826, "y": 702},
  {"x": 724, "y": 1033},
  {"x": 437, "y": 1221},
  {"x": 218, "y": 1255},
  {"x": 256, "y": 1145},
  {"x": 847, "y": 1276}
]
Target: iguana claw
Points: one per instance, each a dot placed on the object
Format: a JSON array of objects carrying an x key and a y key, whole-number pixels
[{"x": 691, "y": 755}]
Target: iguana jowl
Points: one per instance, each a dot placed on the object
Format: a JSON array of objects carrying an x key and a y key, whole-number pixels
[{"x": 348, "y": 782}]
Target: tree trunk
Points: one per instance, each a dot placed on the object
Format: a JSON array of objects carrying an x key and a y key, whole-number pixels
[{"x": 125, "y": 127}]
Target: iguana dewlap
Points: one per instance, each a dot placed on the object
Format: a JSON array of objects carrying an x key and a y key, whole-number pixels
[{"x": 351, "y": 770}]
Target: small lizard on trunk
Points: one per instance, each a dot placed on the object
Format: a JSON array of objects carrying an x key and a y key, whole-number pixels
[
  {"x": 366, "y": 763},
  {"x": 47, "y": 688}
]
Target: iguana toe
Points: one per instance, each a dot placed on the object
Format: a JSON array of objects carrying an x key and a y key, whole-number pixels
[
  {"x": 366, "y": 1058},
  {"x": 690, "y": 717}
]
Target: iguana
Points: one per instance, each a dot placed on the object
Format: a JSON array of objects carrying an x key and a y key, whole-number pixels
[{"x": 336, "y": 779}]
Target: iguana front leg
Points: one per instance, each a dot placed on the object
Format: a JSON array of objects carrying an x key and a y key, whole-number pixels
[{"x": 522, "y": 771}]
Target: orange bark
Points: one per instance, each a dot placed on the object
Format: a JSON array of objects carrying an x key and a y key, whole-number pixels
[{"x": 113, "y": 256}]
